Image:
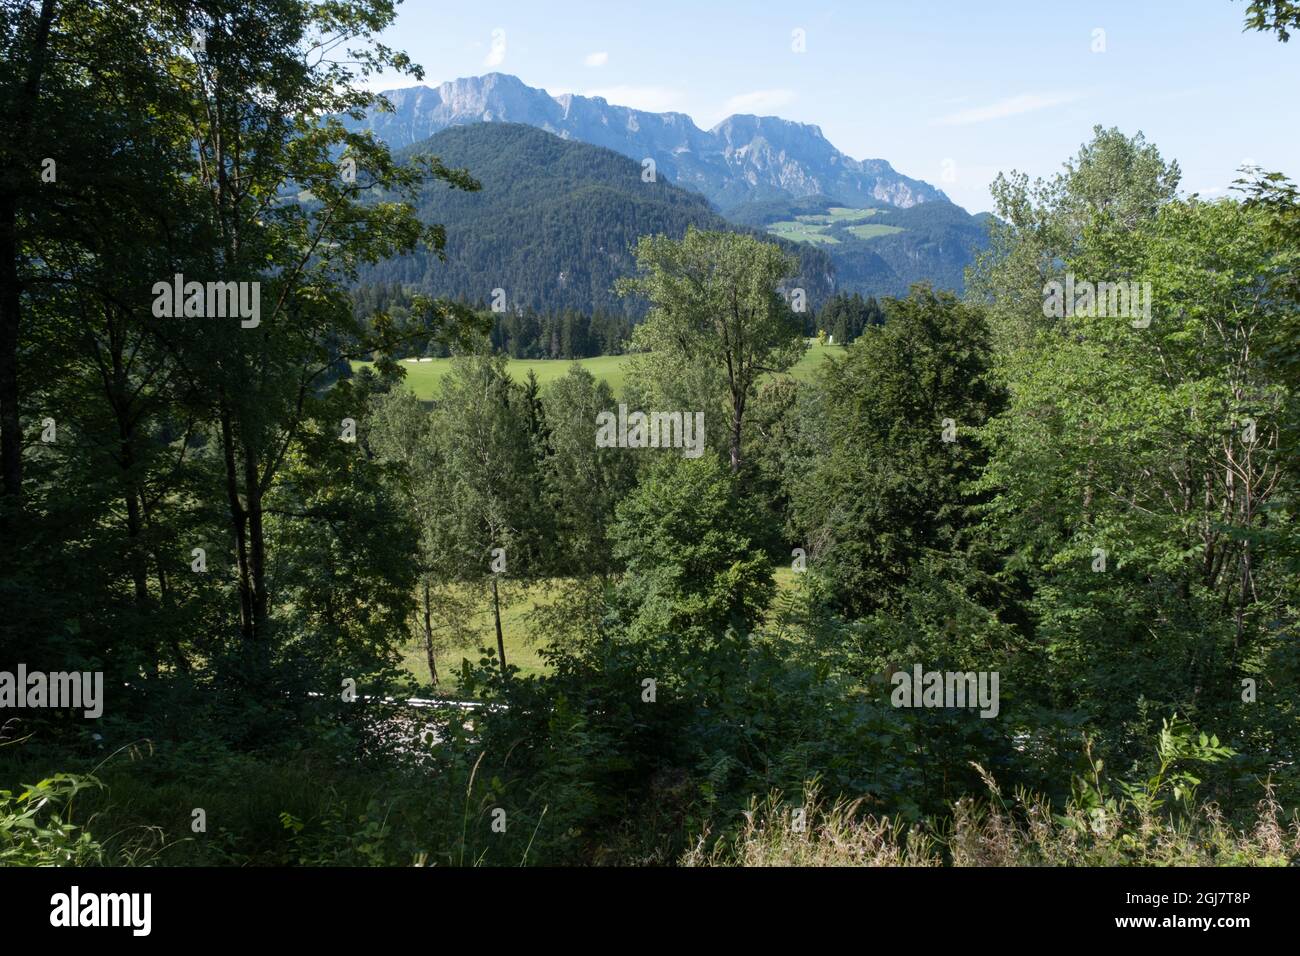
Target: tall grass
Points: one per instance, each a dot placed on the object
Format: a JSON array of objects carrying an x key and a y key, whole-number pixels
[{"x": 995, "y": 832}]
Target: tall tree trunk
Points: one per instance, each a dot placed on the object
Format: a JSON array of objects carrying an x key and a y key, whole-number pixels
[
  {"x": 164, "y": 590},
  {"x": 20, "y": 122},
  {"x": 237, "y": 521},
  {"x": 735, "y": 445},
  {"x": 256, "y": 539},
  {"x": 11, "y": 438},
  {"x": 139, "y": 557},
  {"x": 119, "y": 399},
  {"x": 428, "y": 634},
  {"x": 737, "y": 416},
  {"x": 496, "y": 609}
]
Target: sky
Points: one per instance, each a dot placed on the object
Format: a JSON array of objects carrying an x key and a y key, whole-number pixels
[{"x": 948, "y": 91}]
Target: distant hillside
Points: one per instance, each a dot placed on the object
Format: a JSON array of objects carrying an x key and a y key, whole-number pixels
[
  {"x": 554, "y": 224},
  {"x": 744, "y": 158},
  {"x": 880, "y": 249}
]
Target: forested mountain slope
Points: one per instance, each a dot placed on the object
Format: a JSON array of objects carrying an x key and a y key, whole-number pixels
[{"x": 554, "y": 224}]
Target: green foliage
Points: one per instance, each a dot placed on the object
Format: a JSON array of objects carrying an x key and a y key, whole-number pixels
[
  {"x": 1115, "y": 180},
  {"x": 1159, "y": 447},
  {"x": 875, "y": 484},
  {"x": 1276, "y": 16},
  {"x": 626, "y": 777},
  {"x": 1177, "y": 747},
  {"x": 188, "y": 432},
  {"x": 569, "y": 333},
  {"x": 845, "y": 317},
  {"x": 688, "y": 541},
  {"x": 582, "y": 483},
  {"x": 991, "y": 832},
  {"x": 470, "y": 472},
  {"x": 716, "y": 305},
  {"x": 36, "y": 828}
]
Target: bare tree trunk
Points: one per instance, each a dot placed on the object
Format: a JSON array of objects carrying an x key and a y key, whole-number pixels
[
  {"x": 237, "y": 521},
  {"x": 735, "y": 441},
  {"x": 737, "y": 426},
  {"x": 496, "y": 609},
  {"x": 428, "y": 634},
  {"x": 256, "y": 539}
]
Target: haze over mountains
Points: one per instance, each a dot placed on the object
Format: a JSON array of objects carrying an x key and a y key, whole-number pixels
[{"x": 742, "y": 159}]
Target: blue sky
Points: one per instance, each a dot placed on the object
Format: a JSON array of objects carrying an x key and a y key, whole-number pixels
[{"x": 949, "y": 91}]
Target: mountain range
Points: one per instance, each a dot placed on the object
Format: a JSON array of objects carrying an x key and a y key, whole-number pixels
[
  {"x": 858, "y": 225},
  {"x": 742, "y": 159}
]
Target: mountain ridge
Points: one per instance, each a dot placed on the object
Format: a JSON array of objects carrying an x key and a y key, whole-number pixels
[{"x": 742, "y": 158}]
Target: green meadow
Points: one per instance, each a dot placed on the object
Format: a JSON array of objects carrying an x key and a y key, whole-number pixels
[
  {"x": 846, "y": 214},
  {"x": 815, "y": 227},
  {"x": 523, "y": 650},
  {"x": 797, "y": 230},
  {"x": 423, "y": 378},
  {"x": 873, "y": 229}
]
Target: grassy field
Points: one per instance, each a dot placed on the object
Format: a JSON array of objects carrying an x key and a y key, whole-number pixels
[
  {"x": 814, "y": 357},
  {"x": 873, "y": 229},
  {"x": 423, "y": 378},
  {"x": 797, "y": 231},
  {"x": 848, "y": 214},
  {"x": 522, "y": 650},
  {"x": 814, "y": 227}
]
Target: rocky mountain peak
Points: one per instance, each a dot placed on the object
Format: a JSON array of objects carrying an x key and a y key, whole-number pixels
[{"x": 743, "y": 158}]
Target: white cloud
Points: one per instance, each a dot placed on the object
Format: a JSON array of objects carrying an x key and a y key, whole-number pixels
[
  {"x": 759, "y": 101},
  {"x": 384, "y": 82},
  {"x": 1012, "y": 106},
  {"x": 654, "y": 99},
  {"x": 596, "y": 59},
  {"x": 497, "y": 54}
]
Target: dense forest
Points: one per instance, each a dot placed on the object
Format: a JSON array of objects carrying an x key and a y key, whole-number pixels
[
  {"x": 572, "y": 334},
  {"x": 569, "y": 334},
  {"x": 554, "y": 224},
  {"x": 845, "y": 317},
  {"x": 1091, "y": 515}
]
